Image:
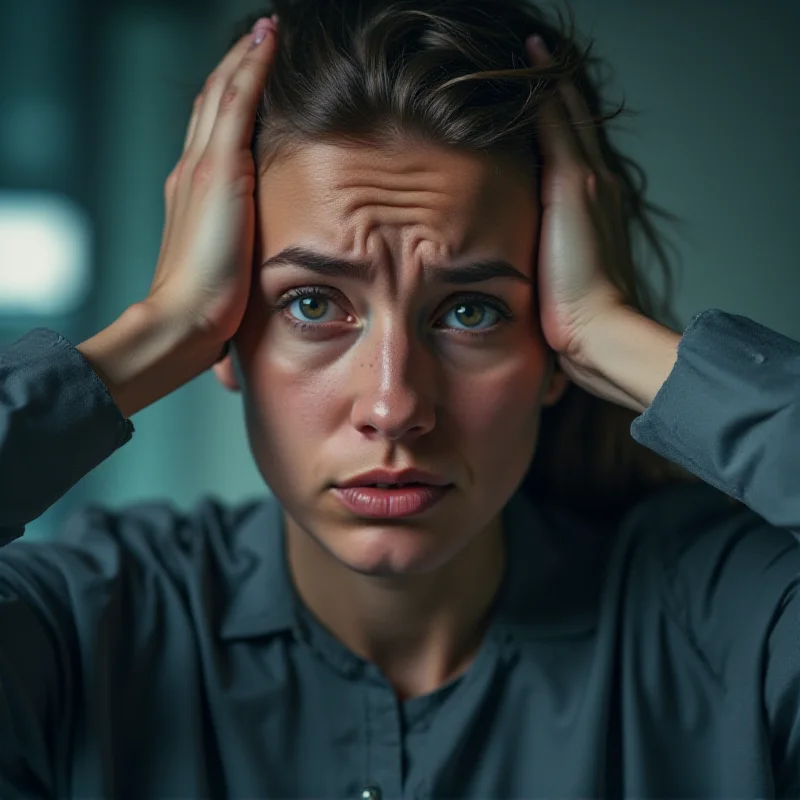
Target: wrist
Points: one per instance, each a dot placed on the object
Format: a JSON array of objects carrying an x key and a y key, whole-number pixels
[
  {"x": 598, "y": 339},
  {"x": 624, "y": 357},
  {"x": 146, "y": 354}
]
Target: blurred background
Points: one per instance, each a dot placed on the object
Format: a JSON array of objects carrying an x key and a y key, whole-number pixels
[{"x": 95, "y": 98}]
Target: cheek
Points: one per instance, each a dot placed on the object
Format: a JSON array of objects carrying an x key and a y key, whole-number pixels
[
  {"x": 287, "y": 405},
  {"x": 292, "y": 399},
  {"x": 290, "y": 420},
  {"x": 499, "y": 407}
]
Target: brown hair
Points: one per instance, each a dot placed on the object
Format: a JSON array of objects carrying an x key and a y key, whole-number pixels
[{"x": 456, "y": 73}]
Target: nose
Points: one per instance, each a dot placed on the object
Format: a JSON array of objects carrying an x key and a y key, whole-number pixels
[{"x": 395, "y": 385}]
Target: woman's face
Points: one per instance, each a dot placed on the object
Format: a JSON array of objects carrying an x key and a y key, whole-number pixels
[{"x": 403, "y": 361}]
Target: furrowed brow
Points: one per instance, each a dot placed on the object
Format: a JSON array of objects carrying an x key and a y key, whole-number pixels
[
  {"x": 332, "y": 266},
  {"x": 320, "y": 263},
  {"x": 479, "y": 271}
]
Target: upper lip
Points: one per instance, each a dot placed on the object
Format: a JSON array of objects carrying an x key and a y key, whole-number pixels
[{"x": 390, "y": 476}]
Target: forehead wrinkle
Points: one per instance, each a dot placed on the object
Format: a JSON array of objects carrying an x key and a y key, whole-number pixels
[
  {"x": 396, "y": 198},
  {"x": 401, "y": 183},
  {"x": 393, "y": 244},
  {"x": 424, "y": 204},
  {"x": 427, "y": 205},
  {"x": 437, "y": 212},
  {"x": 390, "y": 175},
  {"x": 401, "y": 254}
]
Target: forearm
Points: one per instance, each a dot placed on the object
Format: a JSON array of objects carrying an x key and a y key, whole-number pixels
[
  {"x": 625, "y": 358},
  {"x": 144, "y": 356}
]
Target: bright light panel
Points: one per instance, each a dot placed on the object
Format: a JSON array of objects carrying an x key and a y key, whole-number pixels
[{"x": 45, "y": 252}]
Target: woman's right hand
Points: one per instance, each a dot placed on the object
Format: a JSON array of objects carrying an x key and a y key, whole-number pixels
[
  {"x": 202, "y": 282},
  {"x": 205, "y": 263}
]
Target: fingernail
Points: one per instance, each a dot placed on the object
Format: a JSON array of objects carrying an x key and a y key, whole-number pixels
[{"x": 260, "y": 30}]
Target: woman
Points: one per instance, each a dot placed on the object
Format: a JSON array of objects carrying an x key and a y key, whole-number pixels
[{"x": 431, "y": 257}]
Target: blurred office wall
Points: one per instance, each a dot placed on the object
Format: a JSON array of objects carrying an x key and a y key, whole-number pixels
[{"x": 95, "y": 97}]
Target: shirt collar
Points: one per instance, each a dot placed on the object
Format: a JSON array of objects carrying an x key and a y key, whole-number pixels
[
  {"x": 261, "y": 598},
  {"x": 551, "y": 588}
]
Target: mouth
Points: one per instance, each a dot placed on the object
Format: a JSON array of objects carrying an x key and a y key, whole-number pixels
[
  {"x": 391, "y": 500},
  {"x": 392, "y": 493}
]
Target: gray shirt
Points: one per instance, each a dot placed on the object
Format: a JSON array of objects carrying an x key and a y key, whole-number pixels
[{"x": 148, "y": 653}]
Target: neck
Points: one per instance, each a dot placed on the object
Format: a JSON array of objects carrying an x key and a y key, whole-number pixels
[{"x": 420, "y": 630}]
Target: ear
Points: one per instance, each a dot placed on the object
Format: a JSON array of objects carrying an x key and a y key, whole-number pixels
[
  {"x": 555, "y": 384},
  {"x": 226, "y": 373}
]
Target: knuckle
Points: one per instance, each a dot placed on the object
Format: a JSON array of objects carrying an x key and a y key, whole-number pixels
[
  {"x": 229, "y": 97},
  {"x": 202, "y": 171},
  {"x": 178, "y": 172},
  {"x": 211, "y": 81},
  {"x": 171, "y": 182}
]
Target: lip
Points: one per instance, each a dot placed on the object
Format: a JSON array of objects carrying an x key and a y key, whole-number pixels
[
  {"x": 363, "y": 498},
  {"x": 410, "y": 475},
  {"x": 369, "y": 501}
]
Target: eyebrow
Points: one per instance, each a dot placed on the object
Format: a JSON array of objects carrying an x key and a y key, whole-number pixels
[{"x": 335, "y": 267}]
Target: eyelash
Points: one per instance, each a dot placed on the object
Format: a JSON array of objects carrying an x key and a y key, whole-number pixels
[{"x": 321, "y": 291}]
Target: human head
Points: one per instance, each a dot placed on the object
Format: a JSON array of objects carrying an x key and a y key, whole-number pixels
[{"x": 440, "y": 90}]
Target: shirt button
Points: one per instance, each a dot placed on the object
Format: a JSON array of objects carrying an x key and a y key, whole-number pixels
[{"x": 371, "y": 793}]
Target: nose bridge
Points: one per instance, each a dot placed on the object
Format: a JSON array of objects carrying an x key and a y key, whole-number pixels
[
  {"x": 393, "y": 355},
  {"x": 395, "y": 391}
]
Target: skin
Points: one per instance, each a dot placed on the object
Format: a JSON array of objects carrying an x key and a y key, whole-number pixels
[
  {"x": 392, "y": 376},
  {"x": 388, "y": 381}
]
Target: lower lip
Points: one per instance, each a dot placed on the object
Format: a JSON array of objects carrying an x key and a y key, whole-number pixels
[{"x": 368, "y": 501}]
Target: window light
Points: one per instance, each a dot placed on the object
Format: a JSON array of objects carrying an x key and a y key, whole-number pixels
[{"x": 45, "y": 251}]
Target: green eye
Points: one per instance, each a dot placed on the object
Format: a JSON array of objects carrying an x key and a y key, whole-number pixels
[
  {"x": 313, "y": 308},
  {"x": 471, "y": 316}
]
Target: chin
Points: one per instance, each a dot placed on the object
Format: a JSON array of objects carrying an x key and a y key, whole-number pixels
[{"x": 390, "y": 551}]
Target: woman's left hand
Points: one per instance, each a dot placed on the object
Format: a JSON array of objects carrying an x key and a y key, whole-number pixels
[{"x": 582, "y": 229}]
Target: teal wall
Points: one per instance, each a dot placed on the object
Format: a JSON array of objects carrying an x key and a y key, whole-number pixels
[{"x": 715, "y": 83}]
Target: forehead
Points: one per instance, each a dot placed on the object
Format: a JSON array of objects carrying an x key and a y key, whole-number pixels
[{"x": 343, "y": 195}]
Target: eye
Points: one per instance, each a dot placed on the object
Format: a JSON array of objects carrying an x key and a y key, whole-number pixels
[
  {"x": 312, "y": 305},
  {"x": 309, "y": 308},
  {"x": 473, "y": 314}
]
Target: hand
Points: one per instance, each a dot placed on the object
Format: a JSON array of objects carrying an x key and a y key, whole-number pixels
[
  {"x": 205, "y": 264},
  {"x": 582, "y": 227}
]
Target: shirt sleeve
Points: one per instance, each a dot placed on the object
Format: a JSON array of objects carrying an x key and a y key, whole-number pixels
[
  {"x": 729, "y": 412},
  {"x": 37, "y": 678},
  {"x": 782, "y": 691},
  {"x": 57, "y": 423}
]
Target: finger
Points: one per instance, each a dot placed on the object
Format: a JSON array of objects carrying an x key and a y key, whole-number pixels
[
  {"x": 169, "y": 208},
  {"x": 579, "y": 117},
  {"x": 198, "y": 102},
  {"x": 233, "y": 129},
  {"x": 213, "y": 90},
  {"x": 558, "y": 142}
]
